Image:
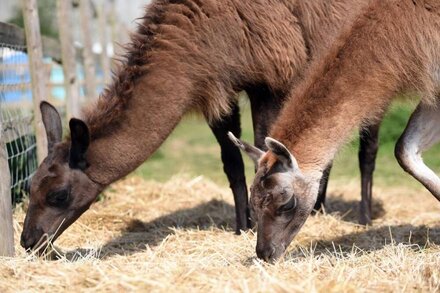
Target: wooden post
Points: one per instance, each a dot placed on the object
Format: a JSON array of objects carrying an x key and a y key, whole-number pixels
[
  {"x": 6, "y": 228},
  {"x": 89, "y": 62},
  {"x": 64, "y": 8},
  {"x": 116, "y": 38},
  {"x": 105, "y": 61},
  {"x": 38, "y": 80}
]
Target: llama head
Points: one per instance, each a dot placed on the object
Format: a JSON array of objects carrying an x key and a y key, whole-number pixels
[
  {"x": 282, "y": 197},
  {"x": 61, "y": 191}
]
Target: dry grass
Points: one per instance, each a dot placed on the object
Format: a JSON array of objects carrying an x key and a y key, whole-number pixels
[{"x": 178, "y": 236}]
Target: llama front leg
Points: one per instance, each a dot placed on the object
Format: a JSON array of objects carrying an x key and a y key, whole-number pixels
[
  {"x": 369, "y": 138},
  {"x": 233, "y": 166},
  {"x": 422, "y": 132}
]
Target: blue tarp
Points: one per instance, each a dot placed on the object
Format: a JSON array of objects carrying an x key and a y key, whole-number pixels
[{"x": 11, "y": 77}]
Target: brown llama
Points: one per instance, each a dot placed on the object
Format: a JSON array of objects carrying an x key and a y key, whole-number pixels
[
  {"x": 392, "y": 48},
  {"x": 185, "y": 55}
]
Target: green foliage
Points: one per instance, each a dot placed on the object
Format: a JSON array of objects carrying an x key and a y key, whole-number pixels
[{"x": 47, "y": 14}]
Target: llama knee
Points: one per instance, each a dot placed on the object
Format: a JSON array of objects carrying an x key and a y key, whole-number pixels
[{"x": 405, "y": 155}]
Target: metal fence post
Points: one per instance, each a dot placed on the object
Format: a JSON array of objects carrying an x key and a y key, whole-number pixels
[{"x": 6, "y": 228}]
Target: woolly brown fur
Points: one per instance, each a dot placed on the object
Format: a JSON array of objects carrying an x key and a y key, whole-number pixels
[{"x": 392, "y": 48}]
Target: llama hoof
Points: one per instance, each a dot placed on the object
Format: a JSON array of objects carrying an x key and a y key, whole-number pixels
[{"x": 365, "y": 220}]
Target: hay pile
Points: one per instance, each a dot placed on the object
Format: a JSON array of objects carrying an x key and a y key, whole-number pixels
[{"x": 178, "y": 236}]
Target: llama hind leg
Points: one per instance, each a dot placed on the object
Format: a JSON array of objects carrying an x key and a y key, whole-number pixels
[
  {"x": 421, "y": 133},
  {"x": 233, "y": 165}
]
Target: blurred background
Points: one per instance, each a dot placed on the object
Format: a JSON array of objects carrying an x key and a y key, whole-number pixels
[{"x": 126, "y": 11}]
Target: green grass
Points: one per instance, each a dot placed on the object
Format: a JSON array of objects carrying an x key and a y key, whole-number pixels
[
  {"x": 388, "y": 171},
  {"x": 193, "y": 149}
]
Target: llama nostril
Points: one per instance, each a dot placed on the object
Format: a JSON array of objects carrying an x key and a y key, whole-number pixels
[
  {"x": 29, "y": 240},
  {"x": 265, "y": 253},
  {"x": 27, "y": 243},
  {"x": 22, "y": 241}
]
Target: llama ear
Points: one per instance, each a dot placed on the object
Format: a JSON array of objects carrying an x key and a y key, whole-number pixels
[
  {"x": 253, "y": 152},
  {"x": 80, "y": 139},
  {"x": 52, "y": 123},
  {"x": 282, "y": 153}
]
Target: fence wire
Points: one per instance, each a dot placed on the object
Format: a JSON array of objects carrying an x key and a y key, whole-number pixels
[{"x": 16, "y": 118}]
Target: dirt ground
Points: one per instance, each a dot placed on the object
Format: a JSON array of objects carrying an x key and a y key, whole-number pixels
[{"x": 179, "y": 236}]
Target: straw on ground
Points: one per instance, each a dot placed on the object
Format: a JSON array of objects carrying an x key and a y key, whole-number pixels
[{"x": 178, "y": 236}]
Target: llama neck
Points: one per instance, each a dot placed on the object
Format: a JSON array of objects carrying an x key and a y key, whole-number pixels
[
  {"x": 343, "y": 91},
  {"x": 157, "y": 103},
  {"x": 314, "y": 126}
]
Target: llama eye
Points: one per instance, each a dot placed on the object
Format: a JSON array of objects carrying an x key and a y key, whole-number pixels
[
  {"x": 289, "y": 206},
  {"x": 58, "y": 198}
]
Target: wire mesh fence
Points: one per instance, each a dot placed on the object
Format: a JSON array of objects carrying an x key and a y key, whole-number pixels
[
  {"x": 16, "y": 112},
  {"x": 16, "y": 118}
]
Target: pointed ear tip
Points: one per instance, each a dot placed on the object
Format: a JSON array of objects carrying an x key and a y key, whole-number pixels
[
  {"x": 235, "y": 140},
  {"x": 232, "y": 136},
  {"x": 72, "y": 121},
  {"x": 75, "y": 122},
  {"x": 44, "y": 104},
  {"x": 269, "y": 141}
]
